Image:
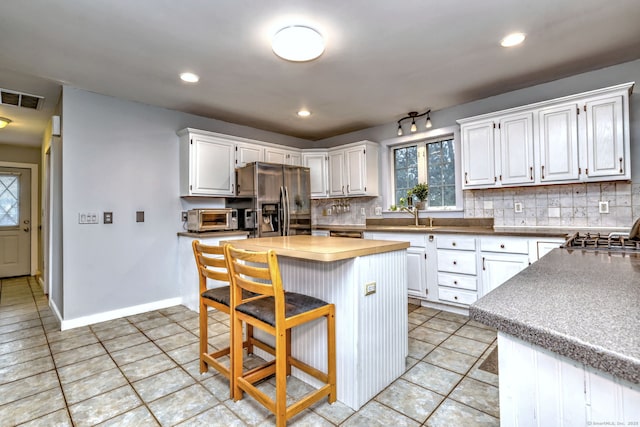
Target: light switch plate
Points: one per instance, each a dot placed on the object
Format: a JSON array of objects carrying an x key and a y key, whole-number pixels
[
  {"x": 603, "y": 207},
  {"x": 369, "y": 288},
  {"x": 107, "y": 217},
  {"x": 140, "y": 216},
  {"x": 517, "y": 207}
]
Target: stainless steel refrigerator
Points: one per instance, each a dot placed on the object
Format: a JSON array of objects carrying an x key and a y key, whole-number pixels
[{"x": 281, "y": 198}]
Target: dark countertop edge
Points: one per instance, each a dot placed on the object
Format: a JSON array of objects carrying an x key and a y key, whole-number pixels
[
  {"x": 597, "y": 357},
  {"x": 489, "y": 231},
  {"x": 213, "y": 233}
]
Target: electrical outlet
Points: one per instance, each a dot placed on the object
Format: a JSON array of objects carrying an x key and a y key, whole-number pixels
[
  {"x": 184, "y": 216},
  {"x": 603, "y": 207},
  {"x": 378, "y": 211},
  {"x": 369, "y": 288},
  {"x": 87, "y": 218},
  {"x": 517, "y": 207},
  {"x": 363, "y": 211},
  {"x": 107, "y": 217}
]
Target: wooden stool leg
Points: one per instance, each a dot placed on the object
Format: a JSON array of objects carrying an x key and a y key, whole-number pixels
[
  {"x": 236, "y": 356},
  {"x": 331, "y": 354},
  {"x": 281, "y": 377},
  {"x": 249, "y": 339},
  {"x": 204, "y": 336}
]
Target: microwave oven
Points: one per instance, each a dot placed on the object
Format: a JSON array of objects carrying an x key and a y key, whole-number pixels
[{"x": 212, "y": 219}]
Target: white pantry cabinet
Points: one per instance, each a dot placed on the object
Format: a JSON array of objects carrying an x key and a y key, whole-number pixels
[
  {"x": 317, "y": 162},
  {"x": 577, "y": 138},
  {"x": 353, "y": 170}
]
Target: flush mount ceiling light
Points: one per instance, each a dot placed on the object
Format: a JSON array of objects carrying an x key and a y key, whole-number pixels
[
  {"x": 189, "y": 77},
  {"x": 413, "y": 115},
  {"x": 4, "y": 122},
  {"x": 512, "y": 39},
  {"x": 298, "y": 43},
  {"x": 304, "y": 113}
]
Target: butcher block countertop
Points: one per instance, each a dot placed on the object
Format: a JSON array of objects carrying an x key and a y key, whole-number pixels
[
  {"x": 584, "y": 305},
  {"x": 320, "y": 248}
]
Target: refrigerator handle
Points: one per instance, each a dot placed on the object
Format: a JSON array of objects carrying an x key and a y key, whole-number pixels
[
  {"x": 283, "y": 207},
  {"x": 286, "y": 195}
]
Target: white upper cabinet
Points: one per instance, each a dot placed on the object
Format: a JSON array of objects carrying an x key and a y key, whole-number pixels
[
  {"x": 498, "y": 152},
  {"x": 516, "y": 149},
  {"x": 478, "y": 154},
  {"x": 558, "y": 143},
  {"x": 317, "y": 162},
  {"x": 606, "y": 156},
  {"x": 583, "y": 137},
  {"x": 248, "y": 153},
  {"x": 207, "y": 165},
  {"x": 353, "y": 170},
  {"x": 285, "y": 157}
]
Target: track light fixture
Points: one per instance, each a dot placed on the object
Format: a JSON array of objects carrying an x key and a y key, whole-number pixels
[{"x": 413, "y": 115}]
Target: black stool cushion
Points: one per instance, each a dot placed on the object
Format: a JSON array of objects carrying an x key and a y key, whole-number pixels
[
  {"x": 222, "y": 295},
  {"x": 264, "y": 308}
]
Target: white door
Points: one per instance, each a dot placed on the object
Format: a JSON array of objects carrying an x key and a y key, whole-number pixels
[
  {"x": 516, "y": 149},
  {"x": 605, "y": 137},
  {"x": 213, "y": 171},
  {"x": 356, "y": 170},
  {"x": 559, "y": 143},
  {"x": 498, "y": 268},
  {"x": 248, "y": 153},
  {"x": 416, "y": 263},
  {"x": 478, "y": 154},
  {"x": 273, "y": 155},
  {"x": 336, "y": 173},
  {"x": 15, "y": 223},
  {"x": 317, "y": 164}
]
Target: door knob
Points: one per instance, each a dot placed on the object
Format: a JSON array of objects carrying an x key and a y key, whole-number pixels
[{"x": 26, "y": 229}]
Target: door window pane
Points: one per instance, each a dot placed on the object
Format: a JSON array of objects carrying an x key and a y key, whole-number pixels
[{"x": 9, "y": 193}]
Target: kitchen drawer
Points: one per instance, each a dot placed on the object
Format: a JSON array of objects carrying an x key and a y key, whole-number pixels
[
  {"x": 512, "y": 245},
  {"x": 457, "y": 262},
  {"x": 459, "y": 296},
  {"x": 456, "y": 242},
  {"x": 458, "y": 281}
]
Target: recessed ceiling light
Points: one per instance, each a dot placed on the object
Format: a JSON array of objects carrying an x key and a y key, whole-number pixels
[
  {"x": 298, "y": 43},
  {"x": 304, "y": 113},
  {"x": 190, "y": 77},
  {"x": 512, "y": 39}
]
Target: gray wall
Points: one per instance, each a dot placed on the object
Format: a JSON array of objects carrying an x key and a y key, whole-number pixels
[{"x": 622, "y": 73}]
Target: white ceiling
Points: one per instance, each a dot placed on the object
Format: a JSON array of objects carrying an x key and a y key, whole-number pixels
[{"x": 383, "y": 57}]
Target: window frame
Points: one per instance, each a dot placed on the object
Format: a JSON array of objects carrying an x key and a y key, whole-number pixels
[{"x": 421, "y": 140}]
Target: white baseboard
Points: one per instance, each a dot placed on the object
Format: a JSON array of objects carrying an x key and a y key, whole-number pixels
[
  {"x": 54, "y": 307},
  {"x": 116, "y": 314}
]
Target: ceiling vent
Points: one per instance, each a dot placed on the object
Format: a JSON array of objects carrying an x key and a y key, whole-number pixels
[{"x": 18, "y": 99}]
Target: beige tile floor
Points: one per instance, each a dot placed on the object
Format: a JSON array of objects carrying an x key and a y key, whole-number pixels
[{"x": 143, "y": 370}]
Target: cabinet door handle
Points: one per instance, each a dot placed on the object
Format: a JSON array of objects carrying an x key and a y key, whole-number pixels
[
  {"x": 502, "y": 246},
  {"x": 347, "y": 188},
  {"x": 233, "y": 189},
  {"x": 455, "y": 282},
  {"x": 453, "y": 243},
  {"x": 495, "y": 179},
  {"x": 466, "y": 180},
  {"x": 542, "y": 171},
  {"x": 455, "y": 297},
  {"x": 531, "y": 172},
  {"x": 620, "y": 164},
  {"x": 343, "y": 189},
  {"x": 455, "y": 262},
  {"x": 484, "y": 267}
]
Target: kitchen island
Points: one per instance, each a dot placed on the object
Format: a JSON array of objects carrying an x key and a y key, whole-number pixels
[
  {"x": 367, "y": 282},
  {"x": 568, "y": 339}
]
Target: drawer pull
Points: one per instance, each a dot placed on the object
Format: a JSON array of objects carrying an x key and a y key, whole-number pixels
[
  {"x": 455, "y": 282},
  {"x": 531, "y": 172},
  {"x": 502, "y": 246},
  {"x": 483, "y": 266},
  {"x": 455, "y": 262},
  {"x": 466, "y": 179},
  {"x": 455, "y": 297},
  {"x": 453, "y": 244},
  {"x": 620, "y": 164}
]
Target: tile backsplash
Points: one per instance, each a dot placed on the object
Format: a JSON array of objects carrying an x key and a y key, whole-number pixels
[
  {"x": 327, "y": 212},
  {"x": 571, "y": 205}
]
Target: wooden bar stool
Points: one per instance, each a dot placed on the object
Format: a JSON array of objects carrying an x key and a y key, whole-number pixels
[
  {"x": 211, "y": 265},
  {"x": 276, "y": 312}
]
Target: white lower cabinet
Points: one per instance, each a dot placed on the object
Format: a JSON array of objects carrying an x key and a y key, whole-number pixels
[
  {"x": 457, "y": 269},
  {"x": 501, "y": 259},
  {"x": 417, "y": 259}
]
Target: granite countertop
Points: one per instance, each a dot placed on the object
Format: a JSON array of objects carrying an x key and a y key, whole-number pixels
[
  {"x": 584, "y": 305},
  {"x": 319, "y": 248}
]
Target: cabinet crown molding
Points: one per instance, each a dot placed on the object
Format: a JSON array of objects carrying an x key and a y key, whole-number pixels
[{"x": 627, "y": 88}]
